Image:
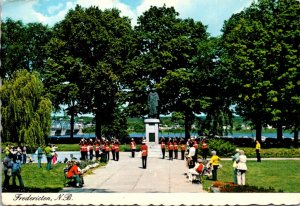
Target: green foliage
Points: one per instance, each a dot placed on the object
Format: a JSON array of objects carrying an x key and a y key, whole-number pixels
[
  {"x": 25, "y": 109},
  {"x": 264, "y": 175},
  {"x": 223, "y": 148}
]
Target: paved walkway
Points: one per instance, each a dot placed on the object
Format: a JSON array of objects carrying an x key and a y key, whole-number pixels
[{"x": 128, "y": 176}]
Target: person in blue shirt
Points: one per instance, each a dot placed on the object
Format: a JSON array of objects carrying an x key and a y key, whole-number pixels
[{"x": 16, "y": 172}]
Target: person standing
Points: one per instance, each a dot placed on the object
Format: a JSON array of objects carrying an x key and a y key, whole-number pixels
[
  {"x": 234, "y": 165},
  {"x": 144, "y": 151},
  {"x": 241, "y": 168},
  {"x": 175, "y": 149},
  {"x": 39, "y": 156},
  {"x": 24, "y": 153},
  {"x": 107, "y": 149},
  {"x": 113, "y": 150},
  {"x": 16, "y": 172},
  {"x": 204, "y": 148},
  {"x": 97, "y": 148},
  {"x": 163, "y": 147},
  {"x": 91, "y": 149},
  {"x": 48, "y": 156},
  {"x": 117, "y": 150},
  {"x": 190, "y": 158},
  {"x": 257, "y": 149},
  {"x": 7, "y": 166},
  {"x": 170, "y": 148},
  {"x": 196, "y": 149},
  {"x": 214, "y": 162},
  {"x": 132, "y": 147},
  {"x": 182, "y": 149}
]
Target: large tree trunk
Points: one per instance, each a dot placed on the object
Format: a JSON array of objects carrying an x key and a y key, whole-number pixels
[
  {"x": 258, "y": 128},
  {"x": 279, "y": 133},
  {"x": 296, "y": 137},
  {"x": 72, "y": 121},
  {"x": 98, "y": 124}
]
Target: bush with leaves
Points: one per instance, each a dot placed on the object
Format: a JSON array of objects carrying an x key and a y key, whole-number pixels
[{"x": 223, "y": 148}]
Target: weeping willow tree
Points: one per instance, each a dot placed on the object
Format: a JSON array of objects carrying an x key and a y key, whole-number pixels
[{"x": 25, "y": 109}]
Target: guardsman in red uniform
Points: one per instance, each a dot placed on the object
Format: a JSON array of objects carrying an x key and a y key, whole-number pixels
[
  {"x": 170, "y": 148},
  {"x": 97, "y": 148},
  {"x": 107, "y": 149},
  {"x": 144, "y": 150},
  {"x": 85, "y": 149},
  {"x": 117, "y": 150},
  {"x": 132, "y": 147},
  {"x": 182, "y": 149},
  {"x": 163, "y": 147},
  {"x": 175, "y": 149},
  {"x": 113, "y": 150},
  {"x": 204, "y": 148},
  {"x": 91, "y": 149}
]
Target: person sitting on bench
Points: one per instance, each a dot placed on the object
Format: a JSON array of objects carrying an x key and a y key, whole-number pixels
[
  {"x": 75, "y": 174},
  {"x": 197, "y": 170}
]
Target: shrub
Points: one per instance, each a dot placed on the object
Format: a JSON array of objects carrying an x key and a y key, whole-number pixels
[{"x": 222, "y": 147}]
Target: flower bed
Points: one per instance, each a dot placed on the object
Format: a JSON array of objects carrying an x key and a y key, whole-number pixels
[{"x": 219, "y": 186}]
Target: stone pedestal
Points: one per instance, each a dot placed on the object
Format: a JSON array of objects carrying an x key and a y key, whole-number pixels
[{"x": 152, "y": 126}]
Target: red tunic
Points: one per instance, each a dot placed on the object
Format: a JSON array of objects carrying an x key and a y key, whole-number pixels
[
  {"x": 144, "y": 150},
  {"x": 73, "y": 171},
  {"x": 170, "y": 146},
  {"x": 175, "y": 146},
  {"x": 163, "y": 145}
]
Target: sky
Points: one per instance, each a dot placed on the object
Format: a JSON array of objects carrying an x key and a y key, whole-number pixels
[{"x": 211, "y": 13}]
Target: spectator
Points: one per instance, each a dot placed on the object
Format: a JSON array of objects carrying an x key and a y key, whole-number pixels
[
  {"x": 190, "y": 157},
  {"x": 16, "y": 172},
  {"x": 7, "y": 168},
  {"x": 234, "y": 165},
  {"x": 257, "y": 149},
  {"x": 48, "y": 156},
  {"x": 24, "y": 154},
  {"x": 241, "y": 168},
  {"x": 197, "y": 170},
  {"x": 75, "y": 174},
  {"x": 214, "y": 162},
  {"x": 39, "y": 154}
]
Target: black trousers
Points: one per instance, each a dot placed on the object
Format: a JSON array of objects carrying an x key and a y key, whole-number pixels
[
  {"x": 132, "y": 152},
  {"x": 91, "y": 154},
  {"x": 204, "y": 153},
  {"x": 258, "y": 155},
  {"x": 97, "y": 154},
  {"x": 182, "y": 154},
  {"x": 144, "y": 161},
  {"x": 214, "y": 172},
  {"x": 163, "y": 150},
  {"x": 117, "y": 156},
  {"x": 176, "y": 154},
  {"x": 170, "y": 154}
]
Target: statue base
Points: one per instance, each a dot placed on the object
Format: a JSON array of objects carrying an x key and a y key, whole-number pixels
[{"x": 152, "y": 129}]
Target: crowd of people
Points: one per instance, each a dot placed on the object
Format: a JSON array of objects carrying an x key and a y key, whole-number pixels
[{"x": 14, "y": 158}]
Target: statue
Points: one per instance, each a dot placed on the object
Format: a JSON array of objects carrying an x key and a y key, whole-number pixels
[{"x": 153, "y": 100}]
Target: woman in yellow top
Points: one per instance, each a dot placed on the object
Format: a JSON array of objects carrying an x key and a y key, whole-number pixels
[
  {"x": 257, "y": 149},
  {"x": 214, "y": 162}
]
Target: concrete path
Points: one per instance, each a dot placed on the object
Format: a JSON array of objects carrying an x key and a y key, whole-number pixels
[{"x": 128, "y": 176}]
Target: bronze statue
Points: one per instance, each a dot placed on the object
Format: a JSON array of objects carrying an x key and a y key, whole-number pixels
[{"x": 153, "y": 100}]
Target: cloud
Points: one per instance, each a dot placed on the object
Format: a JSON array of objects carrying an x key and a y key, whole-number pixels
[{"x": 209, "y": 12}]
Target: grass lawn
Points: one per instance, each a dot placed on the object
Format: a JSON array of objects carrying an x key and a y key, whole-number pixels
[
  {"x": 42, "y": 180},
  {"x": 279, "y": 174}
]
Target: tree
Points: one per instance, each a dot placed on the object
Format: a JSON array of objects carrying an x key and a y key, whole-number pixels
[
  {"x": 93, "y": 50},
  {"x": 262, "y": 49},
  {"x": 25, "y": 109},
  {"x": 164, "y": 48},
  {"x": 22, "y": 46}
]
